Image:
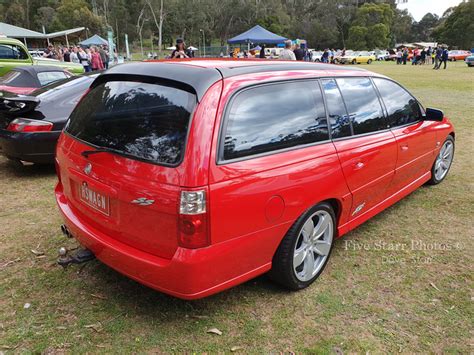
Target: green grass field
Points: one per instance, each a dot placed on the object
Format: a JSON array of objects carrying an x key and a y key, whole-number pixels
[{"x": 371, "y": 297}]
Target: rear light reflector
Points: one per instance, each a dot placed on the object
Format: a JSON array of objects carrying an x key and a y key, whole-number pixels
[
  {"x": 27, "y": 125},
  {"x": 193, "y": 220}
]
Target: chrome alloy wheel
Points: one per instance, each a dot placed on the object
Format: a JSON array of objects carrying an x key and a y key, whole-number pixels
[
  {"x": 313, "y": 245},
  {"x": 444, "y": 160}
]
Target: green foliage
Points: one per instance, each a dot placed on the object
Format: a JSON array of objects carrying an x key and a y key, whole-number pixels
[
  {"x": 357, "y": 37},
  {"x": 458, "y": 28},
  {"x": 371, "y": 27}
]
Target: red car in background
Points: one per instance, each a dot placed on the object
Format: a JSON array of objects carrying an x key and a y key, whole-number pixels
[
  {"x": 194, "y": 176},
  {"x": 26, "y": 79},
  {"x": 458, "y": 55}
]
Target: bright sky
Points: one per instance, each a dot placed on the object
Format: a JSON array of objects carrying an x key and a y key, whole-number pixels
[{"x": 418, "y": 8}]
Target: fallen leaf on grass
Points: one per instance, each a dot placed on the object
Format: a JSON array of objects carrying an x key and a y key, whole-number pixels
[
  {"x": 37, "y": 252},
  {"x": 27, "y": 305},
  {"x": 95, "y": 327},
  {"x": 236, "y": 348},
  {"x": 99, "y": 296},
  {"x": 434, "y": 286},
  {"x": 8, "y": 263},
  {"x": 61, "y": 328},
  {"x": 214, "y": 331}
]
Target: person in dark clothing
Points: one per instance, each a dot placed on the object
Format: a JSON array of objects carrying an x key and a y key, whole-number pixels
[
  {"x": 104, "y": 56},
  {"x": 444, "y": 57},
  {"x": 422, "y": 57},
  {"x": 405, "y": 56},
  {"x": 299, "y": 53},
  {"x": 325, "y": 56},
  {"x": 180, "y": 51},
  {"x": 66, "y": 55},
  {"x": 262, "y": 52},
  {"x": 438, "y": 55}
]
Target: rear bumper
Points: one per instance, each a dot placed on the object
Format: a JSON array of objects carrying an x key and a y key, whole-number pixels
[
  {"x": 189, "y": 274},
  {"x": 32, "y": 147}
]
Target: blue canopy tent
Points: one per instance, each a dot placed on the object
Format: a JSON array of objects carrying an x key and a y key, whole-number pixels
[
  {"x": 95, "y": 40},
  {"x": 257, "y": 34}
]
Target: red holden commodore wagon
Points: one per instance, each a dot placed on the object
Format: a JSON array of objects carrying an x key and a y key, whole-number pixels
[{"x": 194, "y": 176}]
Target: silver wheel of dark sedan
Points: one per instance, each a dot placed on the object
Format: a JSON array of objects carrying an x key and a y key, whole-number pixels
[{"x": 313, "y": 245}]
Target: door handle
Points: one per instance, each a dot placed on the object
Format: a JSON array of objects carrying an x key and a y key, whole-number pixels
[
  {"x": 359, "y": 165},
  {"x": 404, "y": 147}
]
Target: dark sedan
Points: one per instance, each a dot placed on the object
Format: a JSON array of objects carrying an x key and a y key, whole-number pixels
[{"x": 30, "y": 125}]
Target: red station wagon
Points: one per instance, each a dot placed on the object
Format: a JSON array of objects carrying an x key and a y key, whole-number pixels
[{"x": 194, "y": 176}]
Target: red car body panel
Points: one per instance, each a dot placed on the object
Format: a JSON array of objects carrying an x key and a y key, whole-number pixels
[
  {"x": 17, "y": 90},
  {"x": 251, "y": 203}
]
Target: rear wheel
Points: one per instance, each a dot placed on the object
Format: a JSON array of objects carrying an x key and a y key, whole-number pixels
[
  {"x": 354, "y": 61},
  {"x": 369, "y": 61},
  {"x": 443, "y": 162},
  {"x": 304, "y": 251}
]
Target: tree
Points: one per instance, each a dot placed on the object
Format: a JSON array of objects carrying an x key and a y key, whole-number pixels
[
  {"x": 357, "y": 37},
  {"x": 425, "y": 27},
  {"x": 371, "y": 27},
  {"x": 458, "y": 28}
]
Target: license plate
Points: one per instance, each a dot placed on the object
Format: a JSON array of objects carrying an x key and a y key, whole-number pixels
[{"x": 94, "y": 199}]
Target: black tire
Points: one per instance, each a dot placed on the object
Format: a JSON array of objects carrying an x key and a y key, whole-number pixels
[
  {"x": 434, "y": 180},
  {"x": 369, "y": 61},
  {"x": 282, "y": 270},
  {"x": 354, "y": 62}
]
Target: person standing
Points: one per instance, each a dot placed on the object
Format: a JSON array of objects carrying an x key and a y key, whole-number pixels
[
  {"x": 73, "y": 56},
  {"x": 96, "y": 60},
  {"x": 104, "y": 56},
  {"x": 299, "y": 53},
  {"x": 444, "y": 57},
  {"x": 428, "y": 55},
  {"x": 325, "y": 56},
  {"x": 180, "y": 51},
  {"x": 438, "y": 52},
  {"x": 286, "y": 53},
  {"x": 399, "y": 56},
  {"x": 84, "y": 60},
  {"x": 405, "y": 56},
  {"x": 422, "y": 57},
  {"x": 66, "y": 55},
  {"x": 262, "y": 52}
]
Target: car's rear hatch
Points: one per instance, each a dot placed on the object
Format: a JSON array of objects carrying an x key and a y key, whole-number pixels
[{"x": 119, "y": 159}]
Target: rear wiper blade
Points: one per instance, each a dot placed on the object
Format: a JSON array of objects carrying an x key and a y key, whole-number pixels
[{"x": 86, "y": 153}]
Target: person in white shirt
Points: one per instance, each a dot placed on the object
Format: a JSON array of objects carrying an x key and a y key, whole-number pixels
[
  {"x": 73, "y": 56},
  {"x": 287, "y": 53}
]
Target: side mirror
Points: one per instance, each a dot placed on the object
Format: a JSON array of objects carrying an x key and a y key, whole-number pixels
[{"x": 433, "y": 114}]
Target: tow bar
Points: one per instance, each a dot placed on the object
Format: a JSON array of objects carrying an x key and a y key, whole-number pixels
[{"x": 79, "y": 256}]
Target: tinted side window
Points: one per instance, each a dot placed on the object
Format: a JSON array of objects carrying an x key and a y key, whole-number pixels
[
  {"x": 363, "y": 105},
  {"x": 272, "y": 117},
  {"x": 11, "y": 51},
  {"x": 402, "y": 108},
  {"x": 338, "y": 117}
]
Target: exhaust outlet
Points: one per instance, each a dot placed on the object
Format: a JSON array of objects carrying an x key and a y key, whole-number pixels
[{"x": 65, "y": 231}]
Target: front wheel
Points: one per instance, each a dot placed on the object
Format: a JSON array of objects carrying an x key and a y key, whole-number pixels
[
  {"x": 354, "y": 62},
  {"x": 304, "y": 251},
  {"x": 369, "y": 61},
  {"x": 443, "y": 162}
]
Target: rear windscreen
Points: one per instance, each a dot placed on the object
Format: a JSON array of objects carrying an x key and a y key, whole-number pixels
[{"x": 141, "y": 120}]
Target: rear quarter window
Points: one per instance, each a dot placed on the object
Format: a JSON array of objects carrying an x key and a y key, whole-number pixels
[
  {"x": 140, "y": 120},
  {"x": 272, "y": 117}
]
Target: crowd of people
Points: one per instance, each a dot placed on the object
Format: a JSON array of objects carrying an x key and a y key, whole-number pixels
[
  {"x": 436, "y": 56},
  {"x": 92, "y": 59}
]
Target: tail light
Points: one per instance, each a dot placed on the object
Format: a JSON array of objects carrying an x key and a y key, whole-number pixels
[
  {"x": 193, "y": 220},
  {"x": 27, "y": 125}
]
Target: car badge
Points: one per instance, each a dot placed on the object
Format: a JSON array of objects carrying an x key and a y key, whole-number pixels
[
  {"x": 88, "y": 168},
  {"x": 143, "y": 201}
]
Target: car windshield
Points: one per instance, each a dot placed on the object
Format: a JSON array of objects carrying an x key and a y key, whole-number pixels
[{"x": 139, "y": 120}]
